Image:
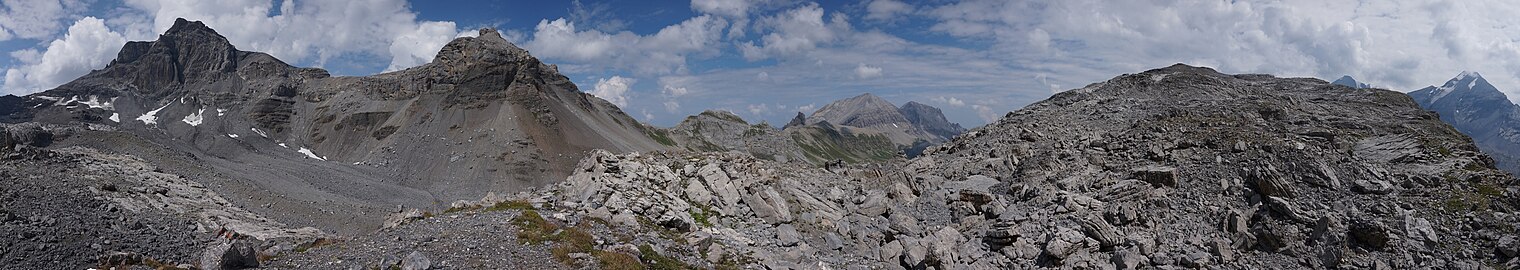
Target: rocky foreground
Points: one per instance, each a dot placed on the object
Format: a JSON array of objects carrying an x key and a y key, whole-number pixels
[{"x": 1180, "y": 167}]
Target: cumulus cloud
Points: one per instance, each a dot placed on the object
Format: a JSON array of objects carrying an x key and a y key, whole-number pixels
[
  {"x": 419, "y": 45},
  {"x": 664, "y": 52},
  {"x": 729, "y": 8},
  {"x": 87, "y": 45},
  {"x": 864, "y": 71},
  {"x": 795, "y": 32},
  {"x": 36, "y": 19},
  {"x": 614, "y": 89},
  {"x": 952, "y": 101},
  {"x": 761, "y": 109},
  {"x": 886, "y": 10},
  {"x": 807, "y": 108}
]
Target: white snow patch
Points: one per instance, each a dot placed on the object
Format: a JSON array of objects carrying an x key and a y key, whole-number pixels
[
  {"x": 220, "y": 112},
  {"x": 1472, "y": 83},
  {"x": 116, "y": 117},
  {"x": 66, "y": 102},
  {"x": 230, "y": 135},
  {"x": 895, "y": 125},
  {"x": 151, "y": 118},
  {"x": 48, "y": 98},
  {"x": 283, "y": 145},
  {"x": 96, "y": 102},
  {"x": 310, "y": 154},
  {"x": 195, "y": 119},
  {"x": 261, "y": 133}
]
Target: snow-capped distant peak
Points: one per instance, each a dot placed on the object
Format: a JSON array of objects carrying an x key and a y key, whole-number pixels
[
  {"x": 1467, "y": 75},
  {"x": 1470, "y": 77}
]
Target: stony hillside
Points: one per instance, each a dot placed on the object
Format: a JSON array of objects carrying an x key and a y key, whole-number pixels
[
  {"x": 1477, "y": 108},
  {"x": 483, "y": 116},
  {"x": 77, "y": 208},
  {"x": 1179, "y": 167}
]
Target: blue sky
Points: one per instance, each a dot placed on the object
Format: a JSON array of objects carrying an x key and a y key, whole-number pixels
[{"x": 768, "y": 59}]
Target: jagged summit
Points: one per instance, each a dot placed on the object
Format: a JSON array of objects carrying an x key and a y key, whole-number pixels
[
  {"x": 864, "y": 110},
  {"x": 489, "y": 47},
  {"x": 930, "y": 119},
  {"x": 1478, "y": 109},
  {"x": 1466, "y": 85}
]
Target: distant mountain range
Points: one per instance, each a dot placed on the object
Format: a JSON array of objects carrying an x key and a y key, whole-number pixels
[
  {"x": 1348, "y": 81},
  {"x": 1473, "y": 106},
  {"x": 858, "y": 129}
]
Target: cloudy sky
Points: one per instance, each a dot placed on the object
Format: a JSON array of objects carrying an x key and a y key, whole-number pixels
[{"x": 768, "y": 59}]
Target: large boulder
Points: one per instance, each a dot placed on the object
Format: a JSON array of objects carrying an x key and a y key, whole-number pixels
[
  {"x": 787, "y": 235},
  {"x": 234, "y": 254},
  {"x": 416, "y": 261}
]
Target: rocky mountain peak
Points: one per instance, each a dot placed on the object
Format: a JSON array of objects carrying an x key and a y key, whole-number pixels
[
  {"x": 723, "y": 115},
  {"x": 931, "y": 119},
  {"x": 799, "y": 120},
  {"x": 865, "y": 110},
  {"x": 1476, "y": 108},
  {"x": 1466, "y": 87},
  {"x": 489, "y": 47},
  {"x": 1350, "y": 82}
]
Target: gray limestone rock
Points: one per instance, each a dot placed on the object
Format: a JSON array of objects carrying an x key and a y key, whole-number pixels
[
  {"x": 233, "y": 254},
  {"x": 416, "y": 261}
]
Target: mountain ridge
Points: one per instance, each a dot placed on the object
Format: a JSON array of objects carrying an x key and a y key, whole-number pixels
[
  {"x": 1477, "y": 108},
  {"x": 484, "y": 116}
]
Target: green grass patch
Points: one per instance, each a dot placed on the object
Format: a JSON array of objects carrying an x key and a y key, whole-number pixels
[
  {"x": 617, "y": 260},
  {"x": 660, "y": 136},
  {"x": 534, "y": 229},
  {"x": 659, "y": 262},
  {"x": 511, "y": 205},
  {"x": 701, "y": 213},
  {"x": 1488, "y": 189}
]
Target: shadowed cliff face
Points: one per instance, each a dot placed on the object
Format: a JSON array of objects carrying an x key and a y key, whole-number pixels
[{"x": 483, "y": 116}]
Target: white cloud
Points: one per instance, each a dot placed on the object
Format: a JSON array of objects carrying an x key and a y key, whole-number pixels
[
  {"x": 795, "y": 32},
  {"x": 674, "y": 91},
  {"x": 759, "y": 109},
  {"x": 807, "y": 108},
  {"x": 614, "y": 89},
  {"x": 664, "y": 52},
  {"x": 87, "y": 45},
  {"x": 418, "y": 46},
  {"x": 671, "y": 106},
  {"x": 36, "y": 19},
  {"x": 986, "y": 113},
  {"x": 864, "y": 71},
  {"x": 886, "y": 10},
  {"x": 729, "y": 8},
  {"x": 952, "y": 101}
]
